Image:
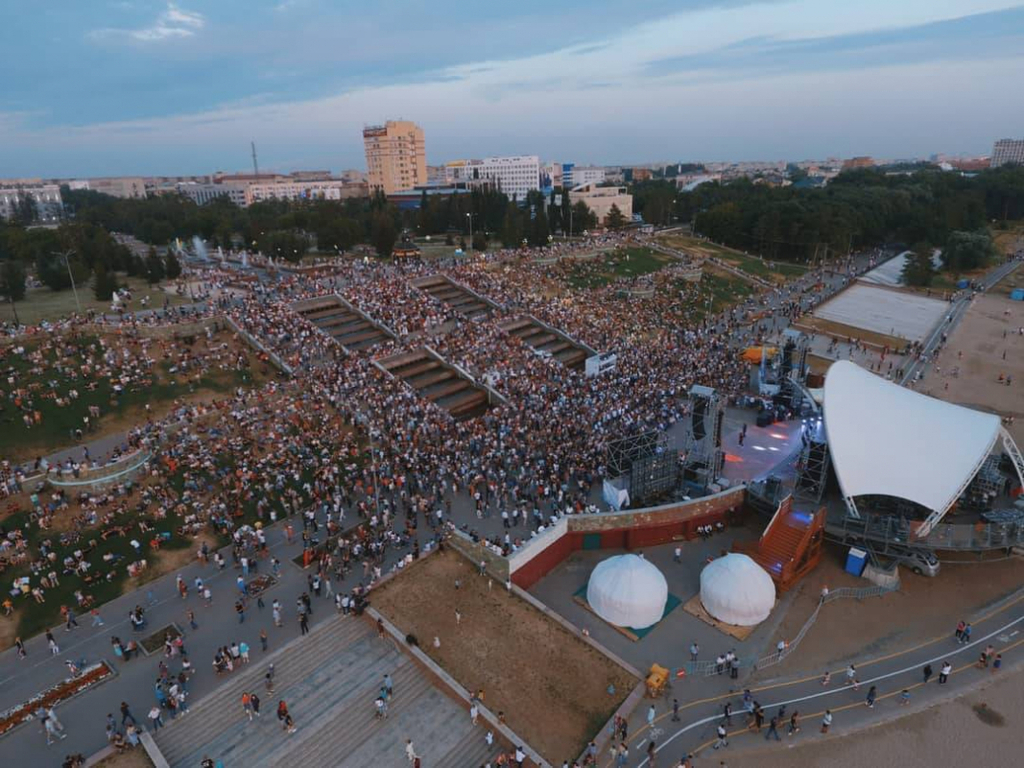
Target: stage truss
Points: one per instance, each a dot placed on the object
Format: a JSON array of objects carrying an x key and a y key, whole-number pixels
[{"x": 704, "y": 457}]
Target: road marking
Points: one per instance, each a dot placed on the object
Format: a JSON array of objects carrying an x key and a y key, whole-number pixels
[{"x": 888, "y": 675}]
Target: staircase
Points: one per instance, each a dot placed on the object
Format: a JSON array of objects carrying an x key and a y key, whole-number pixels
[
  {"x": 790, "y": 546},
  {"x": 329, "y": 680}
]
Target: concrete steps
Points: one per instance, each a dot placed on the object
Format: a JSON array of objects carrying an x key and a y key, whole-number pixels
[{"x": 221, "y": 711}]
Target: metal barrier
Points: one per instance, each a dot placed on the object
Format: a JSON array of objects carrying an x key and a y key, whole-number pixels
[
  {"x": 893, "y": 529},
  {"x": 709, "y": 668},
  {"x": 98, "y": 475}
]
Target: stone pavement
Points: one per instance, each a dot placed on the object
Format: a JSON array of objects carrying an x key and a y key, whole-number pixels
[{"x": 329, "y": 680}]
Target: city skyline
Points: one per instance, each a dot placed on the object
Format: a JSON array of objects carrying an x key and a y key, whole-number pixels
[{"x": 152, "y": 87}]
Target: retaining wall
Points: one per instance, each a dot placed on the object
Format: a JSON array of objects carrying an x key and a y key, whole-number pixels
[{"x": 629, "y": 529}]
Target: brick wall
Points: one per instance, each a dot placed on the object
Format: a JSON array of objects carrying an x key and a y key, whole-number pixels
[{"x": 629, "y": 529}]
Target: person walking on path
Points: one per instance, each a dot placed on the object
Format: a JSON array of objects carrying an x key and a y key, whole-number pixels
[
  {"x": 826, "y": 721},
  {"x": 773, "y": 729},
  {"x": 826, "y": 678},
  {"x": 794, "y": 723},
  {"x": 126, "y": 714},
  {"x": 959, "y": 634},
  {"x": 52, "y": 727},
  {"x": 275, "y": 609},
  {"x": 254, "y": 702},
  {"x": 944, "y": 671},
  {"x": 851, "y": 675},
  {"x": 997, "y": 663},
  {"x": 97, "y": 621},
  {"x": 694, "y": 650},
  {"x": 872, "y": 695},
  {"x": 967, "y": 635},
  {"x": 675, "y": 710},
  {"x": 304, "y": 623},
  {"x": 54, "y": 648},
  {"x": 154, "y": 718},
  {"x": 474, "y": 713},
  {"x": 721, "y": 733},
  {"x": 191, "y": 616},
  {"x": 263, "y": 640},
  {"x": 651, "y": 713},
  {"x": 21, "y": 648},
  {"x": 927, "y": 673},
  {"x": 410, "y": 751},
  {"x": 247, "y": 705}
]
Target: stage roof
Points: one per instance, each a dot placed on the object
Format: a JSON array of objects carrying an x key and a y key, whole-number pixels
[{"x": 888, "y": 440}]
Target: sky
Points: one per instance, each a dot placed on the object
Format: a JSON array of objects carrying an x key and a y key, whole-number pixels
[{"x": 121, "y": 87}]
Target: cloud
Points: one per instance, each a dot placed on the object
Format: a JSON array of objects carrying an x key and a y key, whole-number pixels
[{"x": 174, "y": 22}]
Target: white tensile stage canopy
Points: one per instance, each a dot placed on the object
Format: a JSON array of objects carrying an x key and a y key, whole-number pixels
[
  {"x": 628, "y": 591},
  {"x": 887, "y": 440}
]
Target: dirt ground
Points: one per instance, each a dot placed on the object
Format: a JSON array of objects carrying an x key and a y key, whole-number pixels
[
  {"x": 923, "y": 608},
  {"x": 551, "y": 686},
  {"x": 133, "y": 758},
  {"x": 977, "y": 347},
  {"x": 981, "y": 729}
]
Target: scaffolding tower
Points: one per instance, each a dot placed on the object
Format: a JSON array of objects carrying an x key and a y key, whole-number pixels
[{"x": 703, "y": 463}]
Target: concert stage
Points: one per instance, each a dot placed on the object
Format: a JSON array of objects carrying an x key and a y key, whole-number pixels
[{"x": 763, "y": 451}]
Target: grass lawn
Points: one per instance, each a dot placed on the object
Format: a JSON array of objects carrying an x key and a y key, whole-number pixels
[
  {"x": 777, "y": 271},
  {"x": 725, "y": 290},
  {"x": 54, "y": 430},
  {"x": 614, "y": 265},
  {"x": 42, "y": 304}
]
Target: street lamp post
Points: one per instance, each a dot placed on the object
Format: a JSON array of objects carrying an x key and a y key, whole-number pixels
[
  {"x": 470, "y": 217},
  {"x": 74, "y": 288}
]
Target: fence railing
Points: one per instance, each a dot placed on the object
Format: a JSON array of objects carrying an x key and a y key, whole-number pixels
[
  {"x": 709, "y": 668},
  {"x": 893, "y": 529}
]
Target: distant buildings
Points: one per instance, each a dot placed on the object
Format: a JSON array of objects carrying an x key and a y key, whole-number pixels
[
  {"x": 514, "y": 176},
  {"x": 601, "y": 199},
  {"x": 1008, "y": 152},
  {"x": 577, "y": 175},
  {"x": 202, "y": 193},
  {"x": 396, "y": 156},
  {"x": 115, "y": 186},
  {"x": 859, "y": 162},
  {"x": 45, "y": 196},
  {"x": 330, "y": 189}
]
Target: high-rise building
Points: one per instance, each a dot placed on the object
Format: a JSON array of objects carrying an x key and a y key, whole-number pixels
[
  {"x": 45, "y": 197},
  {"x": 1008, "y": 152},
  {"x": 396, "y": 156}
]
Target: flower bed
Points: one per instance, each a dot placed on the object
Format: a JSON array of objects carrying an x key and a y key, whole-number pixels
[
  {"x": 261, "y": 584},
  {"x": 155, "y": 642},
  {"x": 92, "y": 675}
]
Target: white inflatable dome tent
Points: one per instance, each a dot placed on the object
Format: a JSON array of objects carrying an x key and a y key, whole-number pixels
[
  {"x": 737, "y": 591},
  {"x": 628, "y": 591}
]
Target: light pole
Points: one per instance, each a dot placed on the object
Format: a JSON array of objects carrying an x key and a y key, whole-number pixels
[
  {"x": 470, "y": 217},
  {"x": 74, "y": 288}
]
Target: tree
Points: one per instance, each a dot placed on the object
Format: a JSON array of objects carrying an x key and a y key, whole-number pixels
[
  {"x": 25, "y": 210},
  {"x": 512, "y": 226},
  {"x": 12, "y": 280},
  {"x": 967, "y": 251},
  {"x": 583, "y": 218},
  {"x": 614, "y": 219},
  {"x": 104, "y": 284},
  {"x": 172, "y": 267},
  {"x": 539, "y": 232},
  {"x": 383, "y": 234},
  {"x": 918, "y": 269},
  {"x": 154, "y": 267},
  {"x": 479, "y": 241}
]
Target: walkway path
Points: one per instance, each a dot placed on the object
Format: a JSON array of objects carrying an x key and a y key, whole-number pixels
[{"x": 1002, "y": 626}]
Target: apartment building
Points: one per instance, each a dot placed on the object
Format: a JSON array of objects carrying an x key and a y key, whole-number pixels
[
  {"x": 48, "y": 204},
  {"x": 1008, "y": 152},
  {"x": 396, "y": 156}
]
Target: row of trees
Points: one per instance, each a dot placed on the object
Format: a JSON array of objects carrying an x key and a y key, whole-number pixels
[
  {"x": 77, "y": 250},
  {"x": 858, "y": 208}
]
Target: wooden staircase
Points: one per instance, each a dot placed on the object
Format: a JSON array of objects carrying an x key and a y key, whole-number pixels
[{"x": 790, "y": 546}]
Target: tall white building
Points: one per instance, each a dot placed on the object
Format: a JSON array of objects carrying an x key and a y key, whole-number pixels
[
  {"x": 1007, "y": 152},
  {"x": 515, "y": 176}
]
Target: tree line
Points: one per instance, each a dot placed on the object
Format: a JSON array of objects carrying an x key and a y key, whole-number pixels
[{"x": 859, "y": 208}]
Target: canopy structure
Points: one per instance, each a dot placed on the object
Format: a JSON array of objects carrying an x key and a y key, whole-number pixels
[
  {"x": 889, "y": 440},
  {"x": 628, "y": 591},
  {"x": 736, "y": 590}
]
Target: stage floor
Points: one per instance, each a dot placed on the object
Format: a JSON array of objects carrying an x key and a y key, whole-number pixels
[{"x": 763, "y": 451}]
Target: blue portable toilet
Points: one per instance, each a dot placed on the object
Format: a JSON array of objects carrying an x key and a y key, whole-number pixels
[
  {"x": 856, "y": 560},
  {"x": 1017, "y": 294}
]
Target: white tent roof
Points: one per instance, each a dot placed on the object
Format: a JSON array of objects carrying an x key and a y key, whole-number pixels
[
  {"x": 736, "y": 590},
  {"x": 628, "y": 591},
  {"x": 889, "y": 440}
]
